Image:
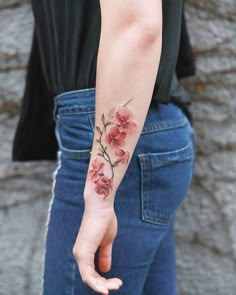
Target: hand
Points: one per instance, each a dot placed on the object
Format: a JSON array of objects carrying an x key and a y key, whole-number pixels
[{"x": 98, "y": 230}]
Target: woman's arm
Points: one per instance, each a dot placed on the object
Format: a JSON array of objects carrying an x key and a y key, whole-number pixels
[{"x": 127, "y": 65}]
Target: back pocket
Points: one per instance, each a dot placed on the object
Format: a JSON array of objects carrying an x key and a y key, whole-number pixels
[{"x": 165, "y": 180}]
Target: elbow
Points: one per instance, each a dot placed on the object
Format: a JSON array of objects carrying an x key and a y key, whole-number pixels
[
  {"x": 139, "y": 26},
  {"x": 149, "y": 34}
]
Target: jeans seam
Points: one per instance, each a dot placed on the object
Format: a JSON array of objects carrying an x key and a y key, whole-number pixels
[
  {"x": 185, "y": 152},
  {"x": 55, "y": 173},
  {"x": 75, "y": 111},
  {"x": 92, "y": 123},
  {"x": 146, "y": 163},
  {"x": 73, "y": 278},
  {"x": 164, "y": 125},
  {"x": 73, "y": 93},
  {"x": 77, "y": 154},
  {"x": 144, "y": 203}
]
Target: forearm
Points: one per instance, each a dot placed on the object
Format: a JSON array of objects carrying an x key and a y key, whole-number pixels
[{"x": 127, "y": 65}]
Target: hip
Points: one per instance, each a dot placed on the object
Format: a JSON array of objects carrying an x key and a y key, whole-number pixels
[
  {"x": 161, "y": 168},
  {"x": 166, "y": 127}
]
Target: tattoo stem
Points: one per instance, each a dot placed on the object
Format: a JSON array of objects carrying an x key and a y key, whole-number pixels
[
  {"x": 124, "y": 105},
  {"x": 105, "y": 152}
]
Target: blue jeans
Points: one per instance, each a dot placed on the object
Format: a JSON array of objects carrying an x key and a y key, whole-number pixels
[{"x": 155, "y": 184}]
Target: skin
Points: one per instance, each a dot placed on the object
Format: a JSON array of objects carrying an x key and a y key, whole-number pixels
[{"x": 127, "y": 65}]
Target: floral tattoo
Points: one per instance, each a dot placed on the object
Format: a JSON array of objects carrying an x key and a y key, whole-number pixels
[{"x": 112, "y": 135}]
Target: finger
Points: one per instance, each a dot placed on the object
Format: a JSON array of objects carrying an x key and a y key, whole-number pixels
[
  {"x": 91, "y": 278},
  {"x": 105, "y": 257},
  {"x": 113, "y": 284},
  {"x": 99, "y": 284},
  {"x": 85, "y": 261}
]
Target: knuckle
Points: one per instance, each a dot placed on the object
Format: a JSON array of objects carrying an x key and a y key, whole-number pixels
[
  {"x": 85, "y": 280},
  {"x": 74, "y": 251},
  {"x": 79, "y": 255}
]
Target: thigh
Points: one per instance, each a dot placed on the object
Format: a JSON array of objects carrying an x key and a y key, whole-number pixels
[
  {"x": 155, "y": 184},
  {"x": 134, "y": 247},
  {"x": 165, "y": 154},
  {"x": 74, "y": 135},
  {"x": 59, "y": 267},
  {"x": 161, "y": 278}
]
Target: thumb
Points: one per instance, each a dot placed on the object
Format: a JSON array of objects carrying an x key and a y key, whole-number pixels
[{"x": 105, "y": 257}]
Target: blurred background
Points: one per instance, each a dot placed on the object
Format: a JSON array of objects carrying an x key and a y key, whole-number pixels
[{"x": 206, "y": 221}]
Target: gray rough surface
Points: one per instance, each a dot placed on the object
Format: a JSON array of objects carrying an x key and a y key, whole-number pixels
[{"x": 206, "y": 221}]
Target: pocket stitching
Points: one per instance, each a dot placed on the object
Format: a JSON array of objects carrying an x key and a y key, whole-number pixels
[
  {"x": 161, "y": 218},
  {"x": 164, "y": 125},
  {"x": 186, "y": 149},
  {"x": 145, "y": 199}
]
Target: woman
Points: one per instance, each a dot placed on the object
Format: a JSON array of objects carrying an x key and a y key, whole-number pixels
[{"x": 126, "y": 145}]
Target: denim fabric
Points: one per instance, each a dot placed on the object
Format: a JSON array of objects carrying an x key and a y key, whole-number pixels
[{"x": 155, "y": 184}]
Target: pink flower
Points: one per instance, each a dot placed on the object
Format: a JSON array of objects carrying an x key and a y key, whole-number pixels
[
  {"x": 103, "y": 186},
  {"x": 123, "y": 156},
  {"x": 115, "y": 138},
  {"x": 124, "y": 120},
  {"x": 97, "y": 170}
]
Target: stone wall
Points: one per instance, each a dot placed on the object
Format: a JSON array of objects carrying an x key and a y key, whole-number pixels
[
  {"x": 206, "y": 225},
  {"x": 206, "y": 221}
]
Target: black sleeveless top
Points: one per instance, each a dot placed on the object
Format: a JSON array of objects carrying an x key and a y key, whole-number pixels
[
  {"x": 68, "y": 33},
  {"x": 63, "y": 58}
]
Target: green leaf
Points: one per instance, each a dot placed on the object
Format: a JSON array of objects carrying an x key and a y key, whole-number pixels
[
  {"x": 103, "y": 120},
  {"x": 111, "y": 112},
  {"x": 101, "y": 150},
  {"x": 98, "y": 130},
  {"x": 108, "y": 124},
  {"x": 99, "y": 154}
]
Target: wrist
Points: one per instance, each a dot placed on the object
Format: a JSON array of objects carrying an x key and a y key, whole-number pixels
[{"x": 95, "y": 202}]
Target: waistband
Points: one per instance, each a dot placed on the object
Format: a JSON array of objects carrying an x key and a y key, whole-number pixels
[
  {"x": 80, "y": 97},
  {"x": 83, "y": 101}
]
